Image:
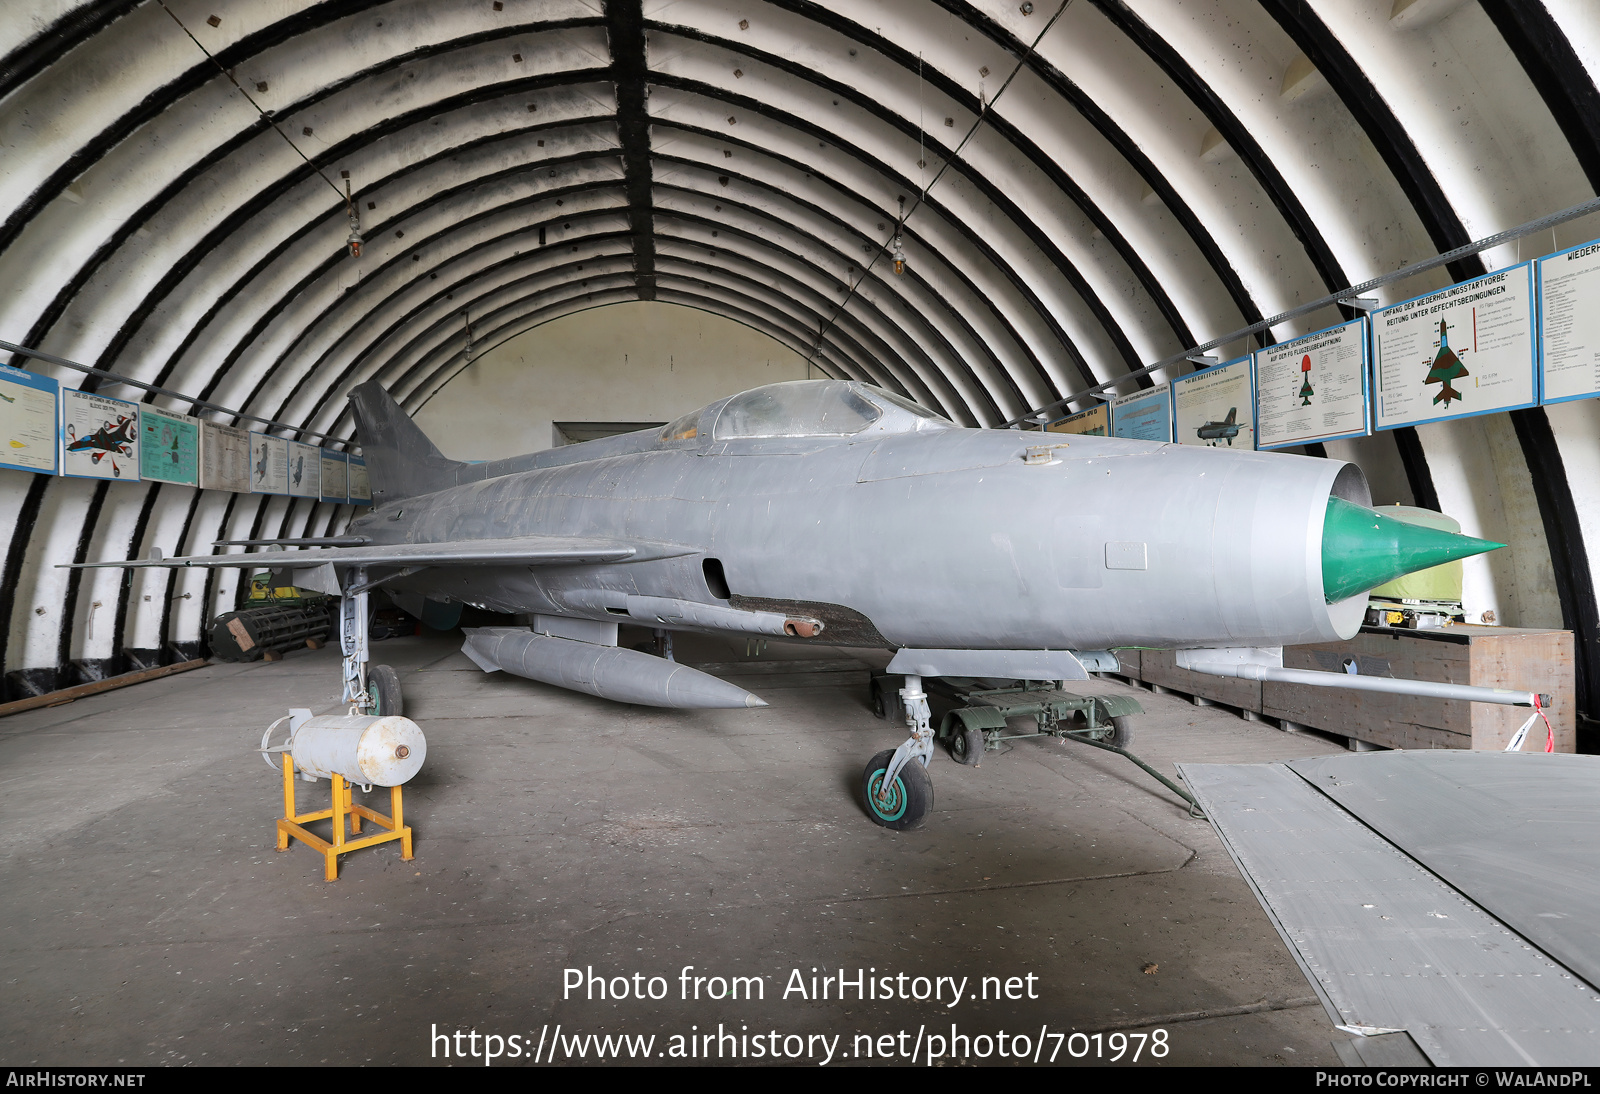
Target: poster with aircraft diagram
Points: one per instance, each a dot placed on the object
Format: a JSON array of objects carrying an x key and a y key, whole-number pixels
[
  {"x": 99, "y": 436},
  {"x": 28, "y": 421},
  {"x": 1215, "y": 406},
  {"x": 1313, "y": 388},
  {"x": 169, "y": 446},
  {"x": 1466, "y": 350},
  {"x": 305, "y": 467},
  {"x": 269, "y": 464}
]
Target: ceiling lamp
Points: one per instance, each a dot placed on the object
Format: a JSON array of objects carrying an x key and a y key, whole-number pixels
[{"x": 354, "y": 240}]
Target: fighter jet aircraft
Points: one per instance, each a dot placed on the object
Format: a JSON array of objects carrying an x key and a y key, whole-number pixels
[
  {"x": 836, "y": 511},
  {"x": 1227, "y": 429},
  {"x": 107, "y": 442}
]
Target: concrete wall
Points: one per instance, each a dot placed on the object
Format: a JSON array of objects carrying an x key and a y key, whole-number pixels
[{"x": 637, "y": 362}]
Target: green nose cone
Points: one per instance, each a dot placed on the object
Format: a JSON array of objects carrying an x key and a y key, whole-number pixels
[{"x": 1362, "y": 549}]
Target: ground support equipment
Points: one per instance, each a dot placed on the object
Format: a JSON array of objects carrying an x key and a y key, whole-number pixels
[
  {"x": 977, "y": 719},
  {"x": 343, "y": 810}
]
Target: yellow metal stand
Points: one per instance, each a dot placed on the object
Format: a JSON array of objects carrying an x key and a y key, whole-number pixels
[{"x": 291, "y": 824}]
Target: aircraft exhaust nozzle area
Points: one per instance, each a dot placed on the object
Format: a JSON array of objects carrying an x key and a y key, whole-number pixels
[{"x": 609, "y": 672}]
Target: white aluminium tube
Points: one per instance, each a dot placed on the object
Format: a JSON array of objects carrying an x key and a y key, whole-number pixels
[{"x": 1251, "y": 669}]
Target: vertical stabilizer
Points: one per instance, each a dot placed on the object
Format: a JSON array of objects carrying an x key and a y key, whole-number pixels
[{"x": 401, "y": 461}]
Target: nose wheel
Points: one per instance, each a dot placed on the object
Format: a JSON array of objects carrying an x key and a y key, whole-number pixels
[
  {"x": 907, "y": 798},
  {"x": 896, "y": 786}
]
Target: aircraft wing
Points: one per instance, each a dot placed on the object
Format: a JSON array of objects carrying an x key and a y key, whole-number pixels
[
  {"x": 1439, "y": 902},
  {"x": 512, "y": 551}
]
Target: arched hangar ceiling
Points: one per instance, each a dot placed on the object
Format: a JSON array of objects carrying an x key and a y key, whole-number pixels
[{"x": 1086, "y": 187}]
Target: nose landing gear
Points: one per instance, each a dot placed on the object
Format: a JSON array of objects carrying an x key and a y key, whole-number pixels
[{"x": 896, "y": 785}]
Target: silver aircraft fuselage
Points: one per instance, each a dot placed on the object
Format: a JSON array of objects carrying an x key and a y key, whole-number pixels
[{"x": 911, "y": 533}]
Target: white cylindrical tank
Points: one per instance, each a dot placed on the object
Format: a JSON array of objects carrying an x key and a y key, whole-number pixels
[{"x": 364, "y": 749}]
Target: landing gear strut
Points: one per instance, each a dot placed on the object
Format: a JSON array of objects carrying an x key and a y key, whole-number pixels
[
  {"x": 375, "y": 692},
  {"x": 896, "y": 785}
]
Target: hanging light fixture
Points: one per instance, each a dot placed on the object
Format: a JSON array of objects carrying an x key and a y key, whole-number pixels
[
  {"x": 354, "y": 240},
  {"x": 897, "y": 247}
]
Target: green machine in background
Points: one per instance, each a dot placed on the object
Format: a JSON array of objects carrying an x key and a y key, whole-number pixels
[{"x": 1426, "y": 598}]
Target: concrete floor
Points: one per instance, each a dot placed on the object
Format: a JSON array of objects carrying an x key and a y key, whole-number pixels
[{"x": 151, "y": 922}]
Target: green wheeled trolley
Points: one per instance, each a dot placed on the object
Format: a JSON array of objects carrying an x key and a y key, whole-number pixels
[{"x": 979, "y": 710}]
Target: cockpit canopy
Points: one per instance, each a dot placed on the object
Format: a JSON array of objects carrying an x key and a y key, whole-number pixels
[{"x": 805, "y": 408}]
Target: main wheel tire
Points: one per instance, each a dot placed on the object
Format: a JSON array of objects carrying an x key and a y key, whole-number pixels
[
  {"x": 1121, "y": 732},
  {"x": 886, "y": 701},
  {"x": 910, "y": 799},
  {"x": 384, "y": 685},
  {"x": 966, "y": 745}
]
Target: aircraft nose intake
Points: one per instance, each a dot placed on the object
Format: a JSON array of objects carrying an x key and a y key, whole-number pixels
[{"x": 1362, "y": 549}]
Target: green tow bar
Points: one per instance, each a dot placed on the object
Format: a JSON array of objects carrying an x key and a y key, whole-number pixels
[{"x": 1081, "y": 735}]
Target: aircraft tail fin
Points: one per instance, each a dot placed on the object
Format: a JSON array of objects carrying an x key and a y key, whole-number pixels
[
  {"x": 401, "y": 461},
  {"x": 1233, "y": 414}
]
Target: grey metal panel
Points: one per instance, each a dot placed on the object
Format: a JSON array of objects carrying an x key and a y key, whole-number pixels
[
  {"x": 1518, "y": 832},
  {"x": 1386, "y": 943}
]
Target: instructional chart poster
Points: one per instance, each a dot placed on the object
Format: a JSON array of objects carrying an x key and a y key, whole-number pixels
[
  {"x": 304, "y": 464},
  {"x": 335, "y": 477},
  {"x": 99, "y": 436},
  {"x": 1143, "y": 416},
  {"x": 1569, "y": 324},
  {"x": 28, "y": 421},
  {"x": 224, "y": 458},
  {"x": 169, "y": 446},
  {"x": 1215, "y": 407},
  {"x": 1094, "y": 422},
  {"x": 269, "y": 464},
  {"x": 1465, "y": 350},
  {"x": 1313, "y": 388},
  {"x": 360, "y": 484}
]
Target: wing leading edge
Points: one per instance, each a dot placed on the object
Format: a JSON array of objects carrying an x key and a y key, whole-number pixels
[{"x": 513, "y": 551}]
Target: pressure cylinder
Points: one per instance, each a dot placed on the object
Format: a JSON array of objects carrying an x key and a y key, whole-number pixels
[{"x": 369, "y": 750}]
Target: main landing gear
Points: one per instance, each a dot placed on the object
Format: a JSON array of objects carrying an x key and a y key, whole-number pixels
[{"x": 375, "y": 691}]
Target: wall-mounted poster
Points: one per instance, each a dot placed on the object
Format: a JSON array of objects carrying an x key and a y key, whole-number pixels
[
  {"x": 1094, "y": 422},
  {"x": 1462, "y": 351},
  {"x": 29, "y": 421},
  {"x": 1215, "y": 407},
  {"x": 335, "y": 476},
  {"x": 1144, "y": 415},
  {"x": 169, "y": 446},
  {"x": 224, "y": 457},
  {"x": 269, "y": 464},
  {"x": 99, "y": 436},
  {"x": 360, "y": 484},
  {"x": 1313, "y": 388},
  {"x": 1569, "y": 324},
  {"x": 305, "y": 465}
]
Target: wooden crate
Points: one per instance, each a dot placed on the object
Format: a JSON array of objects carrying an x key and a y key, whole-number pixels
[{"x": 1497, "y": 657}]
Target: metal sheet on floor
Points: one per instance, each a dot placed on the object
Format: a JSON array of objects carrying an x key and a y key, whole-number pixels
[
  {"x": 1519, "y": 832},
  {"x": 1386, "y": 943}
]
